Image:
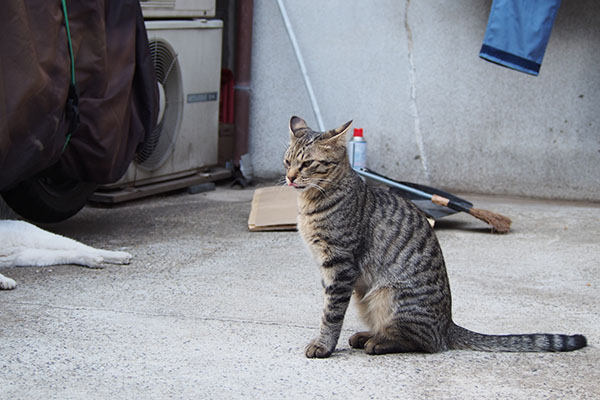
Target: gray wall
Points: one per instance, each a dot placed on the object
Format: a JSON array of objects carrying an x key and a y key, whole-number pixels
[{"x": 409, "y": 74}]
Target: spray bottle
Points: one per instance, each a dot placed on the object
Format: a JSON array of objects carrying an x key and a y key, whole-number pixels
[{"x": 357, "y": 149}]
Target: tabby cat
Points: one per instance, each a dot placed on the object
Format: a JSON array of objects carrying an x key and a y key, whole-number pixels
[{"x": 374, "y": 244}]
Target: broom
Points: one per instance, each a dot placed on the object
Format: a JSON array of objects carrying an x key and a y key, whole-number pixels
[{"x": 499, "y": 223}]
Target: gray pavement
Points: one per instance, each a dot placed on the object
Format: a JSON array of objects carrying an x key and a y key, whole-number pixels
[{"x": 208, "y": 310}]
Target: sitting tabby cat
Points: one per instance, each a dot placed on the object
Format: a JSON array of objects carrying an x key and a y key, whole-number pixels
[
  {"x": 379, "y": 246},
  {"x": 23, "y": 244}
]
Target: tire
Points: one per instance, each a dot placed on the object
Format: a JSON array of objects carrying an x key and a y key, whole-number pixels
[{"x": 44, "y": 199}]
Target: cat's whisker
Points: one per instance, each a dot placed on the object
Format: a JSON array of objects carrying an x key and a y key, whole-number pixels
[
  {"x": 281, "y": 182},
  {"x": 330, "y": 182},
  {"x": 316, "y": 187}
]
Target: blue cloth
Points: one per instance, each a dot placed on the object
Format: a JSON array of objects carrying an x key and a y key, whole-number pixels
[{"x": 518, "y": 32}]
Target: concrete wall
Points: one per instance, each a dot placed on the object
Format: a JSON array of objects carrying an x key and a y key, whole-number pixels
[{"x": 433, "y": 112}]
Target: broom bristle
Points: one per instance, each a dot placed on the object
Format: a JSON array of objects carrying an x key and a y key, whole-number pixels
[{"x": 499, "y": 223}]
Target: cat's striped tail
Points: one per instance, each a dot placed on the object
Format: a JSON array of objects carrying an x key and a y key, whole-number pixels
[{"x": 463, "y": 339}]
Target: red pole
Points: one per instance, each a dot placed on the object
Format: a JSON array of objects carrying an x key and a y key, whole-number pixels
[{"x": 243, "y": 54}]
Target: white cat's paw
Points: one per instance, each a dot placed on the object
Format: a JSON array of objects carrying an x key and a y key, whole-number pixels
[
  {"x": 7, "y": 283},
  {"x": 117, "y": 257},
  {"x": 94, "y": 262}
]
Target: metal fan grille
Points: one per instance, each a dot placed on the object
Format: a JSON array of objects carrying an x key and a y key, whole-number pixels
[{"x": 161, "y": 141}]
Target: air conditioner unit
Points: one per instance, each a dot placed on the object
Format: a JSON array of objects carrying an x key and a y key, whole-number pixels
[
  {"x": 178, "y": 8},
  {"x": 187, "y": 59}
]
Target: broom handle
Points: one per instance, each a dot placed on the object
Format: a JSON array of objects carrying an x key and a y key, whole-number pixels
[
  {"x": 436, "y": 199},
  {"x": 369, "y": 174}
]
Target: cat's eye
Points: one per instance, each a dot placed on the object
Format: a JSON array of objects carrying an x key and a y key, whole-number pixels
[
  {"x": 286, "y": 162},
  {"x": 307, "y": 164}
]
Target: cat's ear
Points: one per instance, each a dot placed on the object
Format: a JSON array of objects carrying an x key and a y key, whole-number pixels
[
  {"x": 338, "y": 134},
  {"x": 297, "y": 125}
]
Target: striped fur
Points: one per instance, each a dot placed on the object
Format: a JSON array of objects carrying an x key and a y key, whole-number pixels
[{"x": 377, "y": 246}]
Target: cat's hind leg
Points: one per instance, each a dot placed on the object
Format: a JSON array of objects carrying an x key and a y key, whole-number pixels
[
  {"x": 382, "y": 345},
  {"x": 358, "y": 340},
  {"x": 386, "y": 334},
  {"x": 7, "y": 283}
]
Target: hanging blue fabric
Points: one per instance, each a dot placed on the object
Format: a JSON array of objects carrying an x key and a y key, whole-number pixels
[{"x": 518, "y": 32}]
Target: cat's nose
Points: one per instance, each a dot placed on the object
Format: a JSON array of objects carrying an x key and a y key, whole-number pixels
[{"x": 291, "y": 179}]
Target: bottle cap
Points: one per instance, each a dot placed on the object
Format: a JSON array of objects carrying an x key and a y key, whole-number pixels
[{"x": 358, "y": 132}]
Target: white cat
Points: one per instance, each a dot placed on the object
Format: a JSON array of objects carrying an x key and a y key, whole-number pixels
[{"x": 23, "y": 244}]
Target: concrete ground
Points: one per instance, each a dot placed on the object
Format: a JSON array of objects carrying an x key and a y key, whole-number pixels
[{"x": 210, "y": 310}]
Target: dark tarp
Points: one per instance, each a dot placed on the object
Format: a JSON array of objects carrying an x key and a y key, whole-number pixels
[{"x": 118, "y": 97}]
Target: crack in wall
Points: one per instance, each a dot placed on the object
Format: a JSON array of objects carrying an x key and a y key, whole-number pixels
[{"x": 413, "y": 96}]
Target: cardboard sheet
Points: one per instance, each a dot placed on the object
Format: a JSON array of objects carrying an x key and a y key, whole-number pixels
[{"x": 274, "y": 208}]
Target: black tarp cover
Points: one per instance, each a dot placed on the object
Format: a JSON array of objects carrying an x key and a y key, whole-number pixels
[{"x": 114, "y": 74}]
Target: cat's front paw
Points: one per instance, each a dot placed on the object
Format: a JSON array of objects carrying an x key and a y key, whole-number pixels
[
  {"x": 117, "y": 257},
  {"x": 92, "y": 261},
  {"x": 7, "y": 283},
  {"x": 317, "y": 349}
]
